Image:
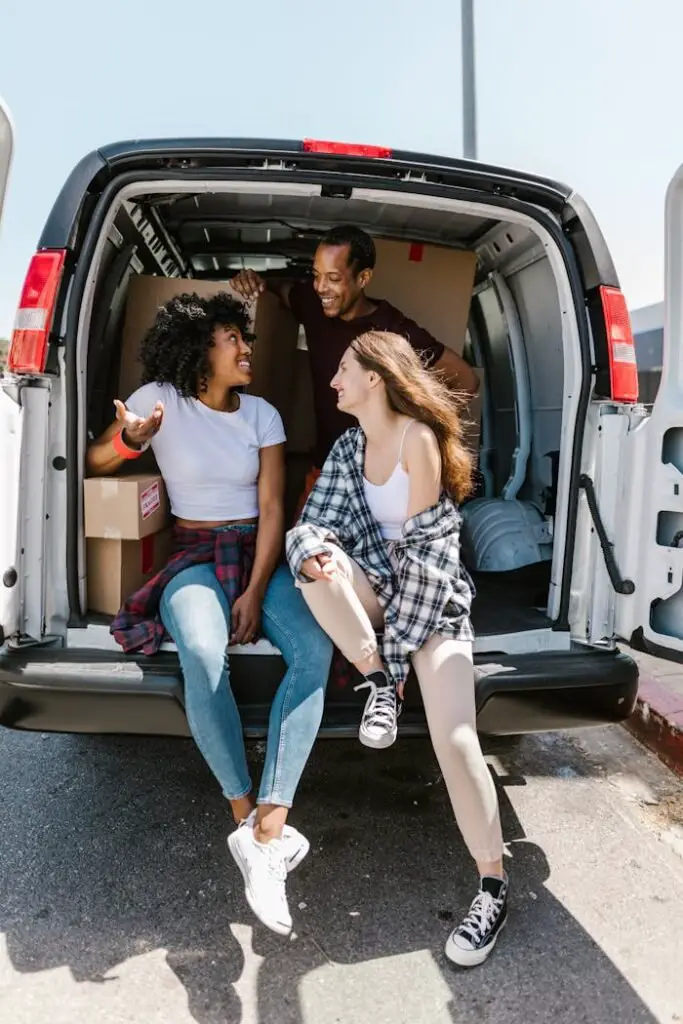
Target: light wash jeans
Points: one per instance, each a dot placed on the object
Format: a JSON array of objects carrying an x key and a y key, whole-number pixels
[{"x": 196, "y": 614}]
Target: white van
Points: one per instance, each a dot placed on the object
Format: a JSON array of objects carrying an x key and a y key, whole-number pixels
[{"x": 574, "y": 537}]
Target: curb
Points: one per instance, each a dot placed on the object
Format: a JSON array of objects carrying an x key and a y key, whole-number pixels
[{"x": 658, "y": 721}]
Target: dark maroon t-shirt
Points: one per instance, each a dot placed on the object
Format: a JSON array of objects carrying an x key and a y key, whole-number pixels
[{"x": 329, "y": 337}]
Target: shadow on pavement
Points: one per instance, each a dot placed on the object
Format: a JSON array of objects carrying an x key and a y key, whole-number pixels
[{"x": 116, "y": 847}]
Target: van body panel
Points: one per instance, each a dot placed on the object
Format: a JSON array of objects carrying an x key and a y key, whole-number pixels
[
  {"x": 91, "y": 692},
  {"x": 24, "y": 412}
]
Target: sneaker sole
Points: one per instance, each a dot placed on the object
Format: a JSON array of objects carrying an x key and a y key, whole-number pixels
[
  {"x": 274, "y": 926},
  {"x": 474, "y": 957},
  {"x": 381, "y": 744}
]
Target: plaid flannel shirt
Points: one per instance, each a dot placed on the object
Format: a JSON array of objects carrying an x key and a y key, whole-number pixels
[
  {"x": 429, "y": 592},
  {"x": 138, "y": 625}
]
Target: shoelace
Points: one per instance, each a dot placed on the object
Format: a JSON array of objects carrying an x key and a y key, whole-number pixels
[
  {"x": 275, "y": 861},
  {"x": 483, "y": 912},
  {"x": 382, "y": 709}
]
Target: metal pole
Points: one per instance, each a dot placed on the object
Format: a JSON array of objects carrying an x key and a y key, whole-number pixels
[{"x": 469, "y": 82}]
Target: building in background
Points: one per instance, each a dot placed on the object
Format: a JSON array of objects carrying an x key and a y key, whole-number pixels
[{"x": 648, "y": 334}]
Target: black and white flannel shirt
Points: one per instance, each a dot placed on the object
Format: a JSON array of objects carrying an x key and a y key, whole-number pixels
[{"x": 429, "y": 592}]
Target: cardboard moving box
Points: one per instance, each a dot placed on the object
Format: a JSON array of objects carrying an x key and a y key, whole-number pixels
[
  {"x": 431, "y": 284},
  {"x": 127, "y": 507},
  {"x": 117, "y": 568}
]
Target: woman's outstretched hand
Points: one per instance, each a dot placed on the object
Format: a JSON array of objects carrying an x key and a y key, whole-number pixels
[{"x": 139, "y": 431}]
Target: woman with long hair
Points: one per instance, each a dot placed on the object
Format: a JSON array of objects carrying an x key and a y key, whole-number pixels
[
  {"x": 377, "y": 550},
  {"x": 221, "y": 454}
]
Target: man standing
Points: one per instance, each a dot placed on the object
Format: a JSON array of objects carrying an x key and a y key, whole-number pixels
[{"x": 334, "y": 310}]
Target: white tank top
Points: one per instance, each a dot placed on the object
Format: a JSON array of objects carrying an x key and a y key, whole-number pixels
[{"x": 389, "y": 502}]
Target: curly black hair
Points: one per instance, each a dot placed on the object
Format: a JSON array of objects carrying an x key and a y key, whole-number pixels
[{"x": 175, "y": 350}]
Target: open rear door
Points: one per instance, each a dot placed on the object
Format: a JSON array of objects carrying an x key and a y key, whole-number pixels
[
  {"x": 24, "y": 405},
  {"x": 10, "y": 443},
  {"x": 650, "y": 535}
]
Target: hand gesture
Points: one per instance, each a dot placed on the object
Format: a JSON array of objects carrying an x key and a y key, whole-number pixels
[
  {"x": 136, "y": 430},
  {"x": 248, "y": 284}
]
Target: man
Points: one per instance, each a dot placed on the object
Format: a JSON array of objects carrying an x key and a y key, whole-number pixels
[{"x": 334, "y": 309}]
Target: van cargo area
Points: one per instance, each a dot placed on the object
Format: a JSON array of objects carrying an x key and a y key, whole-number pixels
[
  {"x": 487, "y": 270},
  {"x": 444, "y": 271}
]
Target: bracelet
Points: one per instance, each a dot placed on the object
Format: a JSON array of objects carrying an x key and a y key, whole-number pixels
[{"x": 123, "y": 450}]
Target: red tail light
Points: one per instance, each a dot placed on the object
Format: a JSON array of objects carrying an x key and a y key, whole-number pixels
[
  {"x": 623, "y": 369},
  {"x": 28, "y": 348},
  {"x": 346, "y": 149}
]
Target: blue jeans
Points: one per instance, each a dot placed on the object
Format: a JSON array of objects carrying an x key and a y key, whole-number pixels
[{"x": 196, "y": 614}]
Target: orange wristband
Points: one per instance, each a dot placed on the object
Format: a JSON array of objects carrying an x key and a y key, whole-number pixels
[{"x": 122, "y": 449}]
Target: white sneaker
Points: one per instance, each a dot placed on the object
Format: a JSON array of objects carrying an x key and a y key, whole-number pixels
[
  {"x": 264, "y": 872},
  {"x": 295, "y": 846},
  {"x": 378, "y": 727}
]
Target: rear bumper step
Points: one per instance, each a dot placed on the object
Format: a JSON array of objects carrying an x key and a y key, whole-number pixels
[{"x": 83, "y": 691}]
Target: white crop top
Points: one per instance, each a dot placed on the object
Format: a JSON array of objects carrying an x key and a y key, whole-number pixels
[
  {"x": 209, "y": 460},
  {"x": 388, "y": 502}
]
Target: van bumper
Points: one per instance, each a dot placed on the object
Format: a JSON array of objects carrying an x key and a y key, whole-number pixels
[{"x": 82, "y": 691}]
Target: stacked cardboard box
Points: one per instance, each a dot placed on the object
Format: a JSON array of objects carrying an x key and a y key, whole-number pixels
[{"x": 127, "y": 536}]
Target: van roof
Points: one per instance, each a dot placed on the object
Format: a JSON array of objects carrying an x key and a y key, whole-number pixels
[{"x": 96, "y": 169}]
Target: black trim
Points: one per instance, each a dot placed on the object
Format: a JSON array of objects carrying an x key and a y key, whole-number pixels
[
  {"x": 597, "y": 270},
  {"x": 103, "y": 692},
  {"x": 410, "y": 187},
  {"x": 621, "y": 585}
]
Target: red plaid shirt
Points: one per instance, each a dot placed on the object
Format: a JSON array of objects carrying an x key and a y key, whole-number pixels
[{"x": 138, "y": 626}]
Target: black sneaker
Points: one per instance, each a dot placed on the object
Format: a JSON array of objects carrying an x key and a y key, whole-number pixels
[
  {"x": 379, "y": 725},
  {"x": 472, "y": 941}
]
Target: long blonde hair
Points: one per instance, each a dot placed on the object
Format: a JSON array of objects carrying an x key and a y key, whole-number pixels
[{"x": 414, "y": 391}]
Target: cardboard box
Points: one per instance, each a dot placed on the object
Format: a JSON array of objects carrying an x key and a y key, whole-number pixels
[
  {"x": 127, "y": 507},
  {"x": 275, "y": 328},
  {"x": 117, "y": 568},
  {"x": 429, "y": 283}
]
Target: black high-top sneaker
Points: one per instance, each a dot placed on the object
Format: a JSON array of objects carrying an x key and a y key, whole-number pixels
[
  {"x": 473, "y": 940},
  {"x": 378, "y": 727}
]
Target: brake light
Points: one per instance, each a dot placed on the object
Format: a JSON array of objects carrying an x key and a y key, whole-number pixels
[
  {"x": 621, "y": 350},
  {"x": 346, "y": 149},
  {"x": 28, "y": 348}
]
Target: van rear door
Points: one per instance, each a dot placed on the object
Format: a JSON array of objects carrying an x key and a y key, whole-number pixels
[
  {"x": 8, "y": 432},
  {"x": 649, "y": 539},
  {"x": 24, "y": 405}
]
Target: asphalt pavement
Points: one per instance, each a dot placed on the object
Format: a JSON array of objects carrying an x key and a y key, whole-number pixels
[{"x": 119, "y": 903}]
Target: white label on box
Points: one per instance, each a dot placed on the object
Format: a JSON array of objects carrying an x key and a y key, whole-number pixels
[
  {"x": 110, "y": 488},
  {"x": 150, "y": 500}
]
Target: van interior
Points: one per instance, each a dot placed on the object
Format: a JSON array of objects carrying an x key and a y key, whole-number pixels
[{"x": 487, "y": 287}]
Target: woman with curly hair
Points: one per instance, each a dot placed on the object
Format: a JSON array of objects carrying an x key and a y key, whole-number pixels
[
  {"x": 377, "y": 549},
  {"x": 221, "y": 454}
]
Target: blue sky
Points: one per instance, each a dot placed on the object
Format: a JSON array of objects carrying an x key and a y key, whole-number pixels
[{"x": 587, "y": 91}]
